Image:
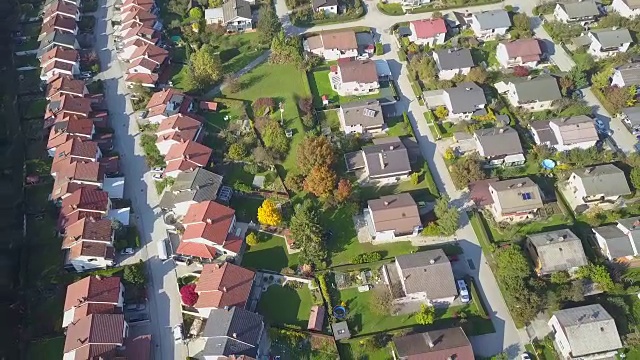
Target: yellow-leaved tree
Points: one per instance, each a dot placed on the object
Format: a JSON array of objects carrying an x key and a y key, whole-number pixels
[{"x": 269, "y": 214}]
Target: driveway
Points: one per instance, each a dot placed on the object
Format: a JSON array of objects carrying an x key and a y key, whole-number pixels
[
  {"x": 164, "y": 300},
  {"x": 624, "y": 140}
]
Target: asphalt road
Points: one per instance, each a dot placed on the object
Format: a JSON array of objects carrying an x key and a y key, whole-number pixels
[{"x": 164, "y": 299}]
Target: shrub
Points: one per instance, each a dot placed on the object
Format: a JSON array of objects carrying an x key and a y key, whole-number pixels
[
  {"x": 237, "y": 151},
  {"x": 520, "y": 71},
  {"x": 379, "y": 49},
  {"x": 324, "y": 289},
  {"x": 431, "y": 230},
  {"x": 415, "y": 179},
  {"x": 189, "y": 295},
  {"x": 367, "y": 258},
  {"x": 262, "y": 106},
  {"x": 252, "y": 239}
]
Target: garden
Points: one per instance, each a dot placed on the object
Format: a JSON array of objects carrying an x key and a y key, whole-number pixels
[
  {"x": 288, "y": 304},
  {"x": 32, "y": 106},
  {"x": 29, "y": 81},
  {"x": 270, "y": 254},
  {"x": 302, "y": 13}
]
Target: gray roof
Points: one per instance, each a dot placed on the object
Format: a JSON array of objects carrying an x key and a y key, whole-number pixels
[
  {"x": 630, "y": 73},
  {"x": 558, "y": 250},
  {"x": 56, "y": 37},
  {"x": 514, "y": 195},
  {"x": 340, "y": 330},
  {"x": 451, "y": 343},
  {"x": 542, "y": 88},
  {"x": 576, "y": 129},
  {"x": 612, "y": 38},
  {"x": 235, "y": 331},
  {"x": 544, "y": 132},
  {"x": 605, "y": 179},
  {"x": 428, "y": 271},
  {"x": 197, "y": 185},
  {"x": 365, "y": 113},
  {"x": 499, "y": 141},
  {"x": 466, "y": 97},
  {"x": 584, "y": 8},
  {"x": 386, "y": 156},
  {"x": 633, "y": 114},
  {"x": 590, "y": 330},
  {"x": 632, "y": 4},
  {"x": 452, "y": 59},
  {"x": 493, "y": 19},
  {"x": 632, "y": 225},
  {"x": 617, "y": 242},
  {"x": 232, "y": 9},
  {"x": 320, "y": 3}
]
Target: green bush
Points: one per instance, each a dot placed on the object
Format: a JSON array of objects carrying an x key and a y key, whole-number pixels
[
  {"x": 415, "y": 178},
  {"x": 379, "y": 49},
  {"x": 402, "y": 55},
  {"x": 151, "y": 152},
  {"x": 431, "y": 230},
  {"x": 324, "y": 289},
  {"x": 367, "y": 258}
]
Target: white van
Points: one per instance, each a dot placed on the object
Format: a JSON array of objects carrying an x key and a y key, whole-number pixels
[{"x": 162, "y": 250}]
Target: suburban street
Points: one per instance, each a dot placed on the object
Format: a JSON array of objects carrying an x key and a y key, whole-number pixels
[{"x": 164, "y": 299}]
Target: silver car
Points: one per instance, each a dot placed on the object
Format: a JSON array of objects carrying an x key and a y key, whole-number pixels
[{"x": 464, "y": 292}]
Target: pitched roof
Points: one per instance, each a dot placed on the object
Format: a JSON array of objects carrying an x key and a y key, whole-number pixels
[
  {"x": 493, "y": 19},
  {"x": 316, "y": 318},
  {"x": 91, "y": 249},
  {"x": 514, "y": 195},
  {"x": 56, "y": 38},
  {"x": 223, "y": 324},
  {"x": 386, "y": 156},
  {"x": 321, "y": 3},
  {"x": 367, "y": 113},
  {"x": 612, "y": 37},
  {"x": 151, "y": 52},
  {"x": 87, "y": 199},
  {"x": 65, "y": 84},
  {"x": 341, "y": 40},
  {"x": 65, "y": 126},
  {"x": 88, "y": 229},
  {"x": 58, "y": 22},
  {"x": 541, "y": 88},
  {"x": 395, "y": 212},
  {"x": 428, "y": 28},
  {"x": 630, "y": 73},
  {"x": 60, "y": 7},
  {"x": 428, "y": 271},
  {"x": 453, "y": 59},
  {"x": 558, "y": 250},
  {"x": 143, "y": 62},
  {"x": 198, "y": 185},
  {"x": 580, "y": 9},
  {"x": 208, "y": 220},
  {"x": 68, "y": 103},
  {"x": 196, "y": 249},
  {"x": 361, "y": 71},
  {"x": 141, "y": 78},
  {"x": 180, "y": 123},
  {"x": 226, "y": 285},
  {"x": 167, "y": 102},
  {"x": 442, "y": 344},
  {"x": 232, "y": 9},
  {"x": 616, "y": 240},
  {"x": 92, "y": 289},
  {"x": 576, "y": 129},
  {"x": 589, "y": 329},
  {"x": 76, "y": 148},
  {"x": 605, "y": 179},
  {"x": 95, "y": 329},
  {"x": 632, "y": 4},
  {"x": 466, "y": 97},
  {"x": 498, "y": 141},
  {"x": 187, "y": 156},
  {"x": 527, "y": 49},
  {"x": 60, "y": 53}
]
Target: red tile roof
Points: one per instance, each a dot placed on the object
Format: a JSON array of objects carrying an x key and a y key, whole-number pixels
[
  {"x": 161, "y": 99},
  {"x": 61, "y": 23},
  {"x": 138, "y": 348},
  {"x": 60, "y": 7},
  {"x": 316, "y": 318},
  {"x": 93, "y": 308},
  {"x": 151, "y": 52},
  {"x": 209, "y": 212},
  {"x": 527, "y": 49},
  {"x": 208, "y": 105},
  {"x": 148, "y": 79},
  {"x": 60, "y": 53},
  {"x": 92, "y": 249},
  {"x": 68, "y": 104},
  {"x": 429, "y": 28},
  {"x": 141, "y": 32},
  {"x": 186, "y": 156},
  {"x": 65, "y": 84},
  {"x": 179, "y": 127},
  {"x": 96, "y": 351},
  {"x": 195, "y": 249},
  {"x": 144, "y": 63},
  {"x": 138, "y": 15},
  {"x": 92, "y": 289},
  {"x": 226, "y": 285},
  {"x": 82, "y": 203},
  {"x": 95, "y": 329},
  {"x": 88, "y": 229},
  {"x": 68, "y": 127}
]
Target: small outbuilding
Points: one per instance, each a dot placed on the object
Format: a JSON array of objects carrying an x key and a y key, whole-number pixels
[
  {"x": 316, "y": 318},
  {"x": 340, "y": 330}
]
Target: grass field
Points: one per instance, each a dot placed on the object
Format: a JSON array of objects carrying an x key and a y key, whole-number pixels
[
  {"x": 47, "y": 349},
  {"x": 397, "y": 126},
  {"x": 270, "y": 254},
  {"x": 320, "y": 85},
  {"x": 284, "y": 305}
]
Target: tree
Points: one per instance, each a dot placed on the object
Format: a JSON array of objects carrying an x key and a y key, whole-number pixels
[
  {"x": 315, "y": 151},
  {"x": 307, "y": 233},
  {"x": 320, "y": 181},
  {"x": 269, "y": 214},
  {"x": 252, "y": 239},
  {"x": 305, "y": 105},
  {"x": 441, "y": 112},
  {"x": 343, "y": 191},
  {"x": 426, "y": 315},
  {"x": 274, "y": 137},
  {"x": 381, "y": 301},
  {"x": 520, "y": 71},
  {"x": 579, "y": 77},
  {"x": 448, "y": 217},
  {"x": 189, "y": 295},
  {"x": 286, "y": 50},
  {"x": 618, "y": 97},
  {"x": 205, "y": 66},
  {"x": 522, "y": 24},
  {"x": 268, "y": 24},
  {"x": 512, "y": 263},
  {"x": 598, "y": 274},
  {"x": 566, "y": 84},
  {"x": 478, "y": 74},
  {"x": 294, "y": 181},
  {"x": 635, "y": 178},
  {"x": 232, "y": 83},
  {"x": 465, "y": 170},
  {"x": 237, "y": 151},
  {"x": 600, "y": 79},
  {"x": 560, "y": 277},
  {"x": 134, "y": 274},
  {"x": 196, "y": 13},
  {"x": 379, "y": 49},
  {"x": 215, "y": 3}
]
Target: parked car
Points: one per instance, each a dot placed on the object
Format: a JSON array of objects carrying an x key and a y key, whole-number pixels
[
  {"x": 525, "y": 356},
  {"x": 177, "y": 333},
  {"x": 157, "y": 176},
  {"x": 127, "y": 251},
  {"x": 85, "y": 75},
  {"x": 157, "y": 169},
  {"x": 464, "y": 292}
]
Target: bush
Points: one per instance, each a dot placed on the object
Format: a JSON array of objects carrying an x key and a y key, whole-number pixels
[
  {"x": 324, "y": 289},
  {"x": 263, "y": 106},
  {"x": 379, "y": 49},
  {"x": 431, "y": 230},
  {"x": 252, "y": 239},
  {"x": 367, "y": 258},
  {"x": 415, "y": 178},
  {"x": 189, "y": 295},
  {"x": 151, "y": 153}
]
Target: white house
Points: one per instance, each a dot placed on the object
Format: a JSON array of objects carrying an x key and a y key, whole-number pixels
[
  {"x": 621, "y": 241},
  {"x": 583, "y": 12},
  {"x": 89, "y": 244},
  {"x": 177, "y": 129},
  {"x": 428, "y": 31},
  {"x": 333, "y": 45},
  {"x": 426, "y": 277},
  {"x": 521, "y": 52},
  {"x": 490, "y": 24},
  {"x": 325, "y": 6},
  {"x": 626, "y": 75},
  {"x": 515, "y": 200},
  {"x": 533, "y": 94},
  {"x": 237, "y": 15},
  {"x": 576, "y": 132},
  {"x": 585, "y": 333},
  {"x": 393, "y": 216},
  {"x": 355, "y": 77},
  {"x": 608, "y": 42},
  {"x": 452, "y": 62},
  {"x": 626, "y": 8},
  {"x": 361, "y": 117},
  {"x": 595, "y": 185}
]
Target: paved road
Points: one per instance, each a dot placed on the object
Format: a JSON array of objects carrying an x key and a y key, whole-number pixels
[
  {"x": 622, "y": 137},
  {"x": 164, "y": 299}
]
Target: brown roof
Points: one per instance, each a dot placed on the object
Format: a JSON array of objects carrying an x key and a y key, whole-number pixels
[
  {"x": 151, "y": 52},
  {"x": 62, "y": 23},
  {"x": 142, "y": 32},
  {"x": 67, "y": 127},
  {"x": 88, "y": 229},
  {"x": 96, "y": 351},
  {"x": 161, "y": 98},
  {"x": 178, "y": 127},
  {"x": 208, "y": 105},
  {"x": 60, "y": 7},
  {"x": 217, "y": 218},
  {"x": 68, "y": 104},
  {"x": 443, "y": 344},
  {"x": 479, "y": 192},
  {"x": 89, "y": 308},
  {"x": 138, "y": 15},
  {"x": 200, "y": 250},
  {"x": 395, "y": 212},
  {"x": 82, "y": 203},
  {"x": 362, "y": 71},
  {"x": 60, "y": 53},
  {"x": 93, "y": 289},
  {"x": 73, "y": 149},
  {"x": 143, "y": 62},
  {"x": 316, "y": 318},
  {"x": 528, "y": 49},
  {"x": 95, "y": 329},
  {"x": 65, "y": 84},
  {"x": 314, "y": 42},
  {"x": 428, "y": 28},
  {"x": 341, "y": 40},
  {"x": 187, "y": 156},
  {"x": 92, "y": 249},
  {"x": 141, "y": 78},
  {"x": 226, "y": 285}
]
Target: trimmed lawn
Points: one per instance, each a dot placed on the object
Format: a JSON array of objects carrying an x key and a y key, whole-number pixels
[
  {"x": 46, "y": 349},
  {"x": 284, "y": 305},
  {"x": 238, "y": 50},
  {"x": 329, "y": 118},
  {"x": 533, "y": 227},
  {"x": 353, "y": 350},
  {"x": 425, "y": 190},
  {"x": 321, "y": 85},
  {"x": 26, "y": 60},
  {"x": 270, "y": 254},
  {"x": 179, "y": 76},
  {"x": 28, "y": 44},
  {"x": 29, "y": 80},
  {"x": 216, "y": 119},
  {"x": 33, "y": 109},
  {"x": 397, "y": 127}
]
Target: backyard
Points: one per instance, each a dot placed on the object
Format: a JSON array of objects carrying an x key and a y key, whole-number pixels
[
  {"x": 269, "y": 254},
  {"x": 29, "y": 81},
  {"x": 320, "y": 85},
  {"x": 32, "y": 107},
  {"x": 46, "y": 349},
  {"x": 286, "y": 305}
]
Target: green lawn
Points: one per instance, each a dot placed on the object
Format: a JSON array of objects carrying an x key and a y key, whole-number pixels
[
  {"x": 354, "y": 350},
  {"x": 26, "y": 60},
  {"x": 28, "y": 44},
  {"x": 397, "y": 127},
  {"x": 284, "y": 305},
  {"x": 321, "y": 85},
  {"x": 216, "y": 119},
  {"x": 533, "y": 227},
  {"x": 179, "y": 76},
  {"x": 238, "y": 50},
  {"x": 391, "y": 9},
  {"x": 330, "y": 119},
  {"x": 425, "y": 190},
  {"x": 29, "y": 80},
  {"x": 270, "y": 254},
  {"x": 34, "y": 108},
  {"x": 46, "y": 349}
]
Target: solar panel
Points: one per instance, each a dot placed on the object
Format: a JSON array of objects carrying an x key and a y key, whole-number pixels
[{"x": 369, "y": 113}]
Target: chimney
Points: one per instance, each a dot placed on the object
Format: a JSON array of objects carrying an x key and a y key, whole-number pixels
[
  {"x": 520, "y": 184},
  {"x": 430, "y": 341},
  {"x": 235, "y": 335},
  {"x": 636, "y": 224},
  {"x": 432, "y": 261},
  {"x": 501, "y": 131},
  {"x": 588, "y": 170},
  {"x": 391, "y": 147},
  {"x": 382, "y": 164},
  {"x": 224, "y": 289},
  {"x": 209, "y": 221},
  {"x": 386, "y": 203}
]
